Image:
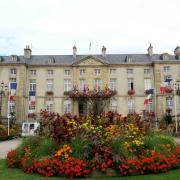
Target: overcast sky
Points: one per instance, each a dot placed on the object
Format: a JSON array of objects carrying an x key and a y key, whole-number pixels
[{"x": 123, "y": 26}]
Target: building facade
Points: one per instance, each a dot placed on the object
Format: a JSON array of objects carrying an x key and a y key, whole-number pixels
[{"x": 51, "y": 76}]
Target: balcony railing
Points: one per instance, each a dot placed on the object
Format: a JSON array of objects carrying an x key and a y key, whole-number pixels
[{"x": 49, "y": 93}]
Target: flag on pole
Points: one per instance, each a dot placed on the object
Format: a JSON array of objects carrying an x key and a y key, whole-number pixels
[
  {"x": 164, "y": 84},
  {"x": 12, "y": 90},
  {"x": 150, "y": 91},
  {"x": 32, "y": 98},
  {"x": 146, "y": 100}
]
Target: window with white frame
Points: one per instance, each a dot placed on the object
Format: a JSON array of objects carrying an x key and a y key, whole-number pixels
[
  {"x": 112, "y": 71},
  {"x": 97, "y": 83},
  {"x": 130, "y": 84},
  {"x": 67, "y": 106},
  {"x": 13, "y": 71},
  {"x": 82, "y": 72},
  {"x": 49, "y": 106},
  {"x": 129, "y": 71},
  {"x": 169, "y": 102},
  {"x": 67, "y": 85},
  {"x": 32, "y": 85},
  {"x": 50, "y": 72},
  {"x": 131, "y": 105},
  {"x": 32, "y": 107},
  {"x": 112, "y": 84},
  {"x": 33, "y": 72},
  {"x": 49, "y": 85},
  {"x": 166, "y": 69},
  {"x": 147, "y": 83},
  {"x": 82, "y": 83},
  {"x": 11, "y": 106},
  {"x": 67, "y": 72},
  {"x": 150, "y": 105},
  {"x": 147, "y": 71},
  {"x": 97, "y": 72},
  {"x": 113, "y": 106}
]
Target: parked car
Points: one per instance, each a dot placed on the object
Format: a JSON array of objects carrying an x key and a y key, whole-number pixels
[{"x": 30, "y": 128}]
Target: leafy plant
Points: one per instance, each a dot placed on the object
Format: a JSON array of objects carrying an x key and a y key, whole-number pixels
[{"x": 81, "y": 148}]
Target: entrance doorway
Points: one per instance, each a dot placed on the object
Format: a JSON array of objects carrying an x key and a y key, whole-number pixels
[{"x": 82, "y": 108}]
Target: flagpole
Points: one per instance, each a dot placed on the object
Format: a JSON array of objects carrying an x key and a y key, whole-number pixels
[
  {"x": 8, "y": 106},
  {"x": 155, "y": 109}
]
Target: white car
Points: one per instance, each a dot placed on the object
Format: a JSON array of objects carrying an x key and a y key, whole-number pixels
[{"x": 30, "y": 128}]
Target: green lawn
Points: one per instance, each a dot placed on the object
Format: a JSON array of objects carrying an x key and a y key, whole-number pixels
[{"x": 17, "y": 174}]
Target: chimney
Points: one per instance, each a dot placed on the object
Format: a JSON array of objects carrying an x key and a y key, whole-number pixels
[
  {"x": 104, "y": 51},
  {"x": 150, "y": 50},
  {"x": 27, "y": 52},
  {"x": 74, "y": 51}
]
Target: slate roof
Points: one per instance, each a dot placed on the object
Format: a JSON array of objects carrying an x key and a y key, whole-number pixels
[{"x": 69, "y": 60}]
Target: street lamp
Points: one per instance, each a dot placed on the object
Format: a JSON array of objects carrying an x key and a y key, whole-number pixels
[
  {"x": 2, "y": 93},
  {"x": 175, "y": 87}
]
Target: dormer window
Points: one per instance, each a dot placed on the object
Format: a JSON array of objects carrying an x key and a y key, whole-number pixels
[
  {"x": 128, "y": 59},
  {"x": 165, "y": 56},
  {"x": 14, "y": 58},
  {"x": 51, "y": 60}
]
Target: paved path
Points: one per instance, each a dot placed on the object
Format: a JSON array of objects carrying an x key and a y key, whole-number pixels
[{"x": 6, "y": 146}]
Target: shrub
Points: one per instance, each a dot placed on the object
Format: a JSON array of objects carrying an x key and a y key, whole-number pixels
[{"x": 159, "y": 142}]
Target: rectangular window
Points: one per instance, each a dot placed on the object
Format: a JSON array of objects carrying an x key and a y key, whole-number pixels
[
  {"x": 113, "y": 106},
  {"x": 67, "y": 106},
  {"x": 169, "y": 103},
  {"x": 33, "y": 72},
  {"x": 147, "y": 71},
  {"x": 82, "y": 84},
  {"x": 147, "y": 83},
  {"x": 97, "y": 72},
  {"x": 150, "y": 106},
  {"x": 67, "y": 85},
  {"x": 50, "y": 72},
  {"x": 129, "y": 71},
  {"x": 112, "y": 71},
  {"x": 166, "y": 69},
  {"x": 32, "y": 108},
  {"x": 82, "y": 72},
  {"x": 49, "y": 106},
  {"x": 130, "y": 84},
  {"x": 12, "y": 106},
  {"x": 97, "y": 83},
  {"x": 32, "y": 85},
  {"x": 67, "y": 72},
  {"x": 49, "y": 85},
  {"x": 131, "y": 106},
  {"x": 13, "y": 71},
  {"x": 112, "y": 84}
]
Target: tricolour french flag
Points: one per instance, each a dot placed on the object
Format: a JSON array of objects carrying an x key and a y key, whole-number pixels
[
  {"x": 32, "y": 98},
  {"x": 12, "y": 90},
  {"x": 163, "y": 86}
]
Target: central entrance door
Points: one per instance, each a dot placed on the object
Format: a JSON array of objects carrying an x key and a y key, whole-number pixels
[{"x": 82, "y": 108}]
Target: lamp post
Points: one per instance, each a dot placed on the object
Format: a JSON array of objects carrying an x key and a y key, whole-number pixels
[
  {"x": 175, "y": 86},
  {"x": 2, "y": 93}
]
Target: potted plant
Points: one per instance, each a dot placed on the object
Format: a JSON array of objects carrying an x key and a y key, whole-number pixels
[{"x": 131, "y": 92}]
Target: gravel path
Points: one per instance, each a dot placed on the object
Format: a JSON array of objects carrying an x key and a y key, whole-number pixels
[{"x": 6, "y": 146}]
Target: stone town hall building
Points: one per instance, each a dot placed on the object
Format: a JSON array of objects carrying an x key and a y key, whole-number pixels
[{"x": 52, "y": 75}]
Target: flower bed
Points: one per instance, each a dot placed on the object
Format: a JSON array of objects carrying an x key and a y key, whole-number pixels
[{"x": 80, "y": 146}]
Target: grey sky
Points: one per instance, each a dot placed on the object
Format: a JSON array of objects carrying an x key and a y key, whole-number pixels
[{"x": 123, "y": 26}]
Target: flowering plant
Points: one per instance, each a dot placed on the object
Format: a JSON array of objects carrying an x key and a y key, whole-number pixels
[
  {"x": 168, "y": 90},
  {"x": 131, "y": 92}
]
